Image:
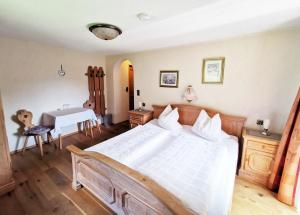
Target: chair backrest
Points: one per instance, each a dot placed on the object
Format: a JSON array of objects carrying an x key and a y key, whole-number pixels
[
  {"x": 25, "y": 117},
  {"x": 89, "y": 104}
]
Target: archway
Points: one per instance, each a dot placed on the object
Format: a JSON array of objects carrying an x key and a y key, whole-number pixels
[{"x": 123, "y": 90}]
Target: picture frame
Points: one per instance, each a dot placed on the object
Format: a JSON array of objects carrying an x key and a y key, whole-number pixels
[
  {"x": 168, "y": 78},
  {"x": 213, "y": 70}
]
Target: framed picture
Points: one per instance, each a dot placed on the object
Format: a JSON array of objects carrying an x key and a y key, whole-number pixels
[
  {"x": 168, "y": 78},
  {"x": 213, "y": 70}
]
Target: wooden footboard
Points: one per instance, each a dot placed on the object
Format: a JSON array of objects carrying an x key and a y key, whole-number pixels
[{"x": 121, "y": 188}]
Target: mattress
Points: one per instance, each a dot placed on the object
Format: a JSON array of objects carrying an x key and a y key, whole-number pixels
[{"x": 199, "y": 172}]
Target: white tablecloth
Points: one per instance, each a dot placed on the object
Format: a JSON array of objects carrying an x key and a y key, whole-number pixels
[{"x": 67, "y": 117}]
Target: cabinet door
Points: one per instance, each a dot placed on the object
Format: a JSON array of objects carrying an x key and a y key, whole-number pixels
[{"x": 259, "y": 162}]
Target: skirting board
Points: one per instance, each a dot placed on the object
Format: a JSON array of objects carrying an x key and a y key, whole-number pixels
[{"x": 33, "y": 146}]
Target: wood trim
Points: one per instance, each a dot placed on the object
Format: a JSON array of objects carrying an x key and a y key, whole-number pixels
[
  {"x": 289, "y": 178},
  {"x": 274, "y": 179},
  {"x": 125, "y": 180},
  {"x": 189, "y": 113},
  {"x": 7, "y": 182},
  {"x": 7, "y": 187}
]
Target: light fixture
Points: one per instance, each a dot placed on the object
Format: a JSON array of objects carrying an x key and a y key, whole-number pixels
[
  {"x": 143, "y": 17},
  {"x": 190, "y": 94},
  {"x": 61, "y": 72},
  {"x": 105, "y": 31}
]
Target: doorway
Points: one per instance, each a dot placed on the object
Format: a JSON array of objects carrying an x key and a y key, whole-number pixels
[
  {"x": 131, "y": 87},
  {"x": 124, "y": 91}
]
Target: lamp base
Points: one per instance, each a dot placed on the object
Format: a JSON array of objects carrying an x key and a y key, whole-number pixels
[{"x": 265, "y": 132}]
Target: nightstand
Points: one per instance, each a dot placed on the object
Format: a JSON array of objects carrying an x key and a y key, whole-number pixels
[
  {"x": 258, "y": 156},
  {"x": 137, "y": 117}
]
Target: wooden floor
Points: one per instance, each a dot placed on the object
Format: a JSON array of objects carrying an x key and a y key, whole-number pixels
[{"x": 44, "y": 186}]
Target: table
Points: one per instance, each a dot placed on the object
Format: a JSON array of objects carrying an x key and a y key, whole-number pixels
[{"x": 63, "y": 118}]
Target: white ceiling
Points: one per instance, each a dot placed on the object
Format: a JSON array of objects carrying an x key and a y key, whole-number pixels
[{"x": 174, "y": 22}]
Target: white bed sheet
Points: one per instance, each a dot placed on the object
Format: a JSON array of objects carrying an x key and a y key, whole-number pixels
[{"x": 201, "y": 175}]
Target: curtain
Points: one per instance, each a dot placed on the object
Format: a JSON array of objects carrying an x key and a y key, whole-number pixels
[
  {"x": 290, "y": 175},
  {"x": 285, "y": 174}
]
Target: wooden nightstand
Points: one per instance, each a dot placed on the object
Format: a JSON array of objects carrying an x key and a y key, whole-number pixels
[
  {"x": 137, "y": 117},
  {"x": 258, "y": 155}
]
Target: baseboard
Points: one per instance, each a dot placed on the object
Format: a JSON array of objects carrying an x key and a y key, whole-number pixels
[{"x": 54, "y": 139}]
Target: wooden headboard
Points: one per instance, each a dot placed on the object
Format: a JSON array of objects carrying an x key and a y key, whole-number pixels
[{"x": 188, "y": 114}]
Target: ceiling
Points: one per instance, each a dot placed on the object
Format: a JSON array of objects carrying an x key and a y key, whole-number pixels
[{"x": 174, "y": 22}]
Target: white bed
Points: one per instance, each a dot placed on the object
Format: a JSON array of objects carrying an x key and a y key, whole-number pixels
[
  {"x": 199, "y": 172},
  {"x": 150, "y": 171}
]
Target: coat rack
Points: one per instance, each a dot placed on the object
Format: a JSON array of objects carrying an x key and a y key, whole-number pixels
[{"x": 96, "y": 88}]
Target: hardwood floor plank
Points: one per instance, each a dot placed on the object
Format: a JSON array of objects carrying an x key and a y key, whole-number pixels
[
  {"x": 10, "y": 205},
  {"x": 58, "y": 178},
  {"x": 87, "y": 202},
  {"x": 64, "y": 167},
  {"x": 30, "y": 198},
  {"x": 256, "y": 200},
  {"x": 63, "y": 205},
  {"x": 45, "y": 184}
]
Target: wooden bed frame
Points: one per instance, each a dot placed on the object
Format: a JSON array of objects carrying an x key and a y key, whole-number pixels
[{"x": 125, "y": 190}]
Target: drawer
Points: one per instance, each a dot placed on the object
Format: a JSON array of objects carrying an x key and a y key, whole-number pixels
[
  {"x": 136, "y": 120},
  {"x": 261, "y": 147}
]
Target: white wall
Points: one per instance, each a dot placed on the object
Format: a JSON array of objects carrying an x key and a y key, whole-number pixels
[
  {"x": 29, "y": 79},
  {"x": 261, "y": 78}
]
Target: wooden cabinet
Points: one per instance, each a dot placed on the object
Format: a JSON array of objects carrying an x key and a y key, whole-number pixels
[
  {"x": 7, "y": 183},
  {"x": 258, "y": 155},
  {"x": 137, "y": 117}
]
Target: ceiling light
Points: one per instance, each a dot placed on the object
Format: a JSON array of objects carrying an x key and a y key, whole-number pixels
[
  {"x": 143, "y": 16},
  {"x": 105, "y": 31}
]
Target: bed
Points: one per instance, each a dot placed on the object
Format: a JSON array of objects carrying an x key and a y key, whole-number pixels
[{"x": 150, "y": 170}]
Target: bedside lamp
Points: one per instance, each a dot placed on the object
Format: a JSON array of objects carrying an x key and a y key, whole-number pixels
[
  {"x": 189, "y": 94},
  {"x": 266, "y": 125}
]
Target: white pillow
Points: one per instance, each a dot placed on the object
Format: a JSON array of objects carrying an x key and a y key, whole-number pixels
[
  {"x": 170, "y": 120},
  {"x": 208, "y": 128},
  {"x": 166, "y": 111}
]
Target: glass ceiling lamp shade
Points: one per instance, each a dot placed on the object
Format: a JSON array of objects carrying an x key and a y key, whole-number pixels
[
  {"x": 190, "y": 94},
  {"x": 105, "y": 31}
]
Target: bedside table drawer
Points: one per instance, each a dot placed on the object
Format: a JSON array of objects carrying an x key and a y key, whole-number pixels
[
  {"x": 261, "y": 146},
  {"x": 135, "y": 119}
]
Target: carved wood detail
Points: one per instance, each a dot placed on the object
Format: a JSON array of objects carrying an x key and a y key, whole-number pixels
[
  {"x": 124, "y": 180},
  {"x": 189, "y": 113}
]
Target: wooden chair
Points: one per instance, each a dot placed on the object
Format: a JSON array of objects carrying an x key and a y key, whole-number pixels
[
  {"x": 25, "y": 117},
  {"x": 89, "y": 124}
]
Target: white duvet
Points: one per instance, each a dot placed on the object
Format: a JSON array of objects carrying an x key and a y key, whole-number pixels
[
  {"x": 131, "y": 146},
  {"x": 199, "y": 172}
]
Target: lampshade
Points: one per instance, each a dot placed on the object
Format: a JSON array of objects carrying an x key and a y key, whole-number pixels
[
  {"x": 266, "y": 123},
  {"x": 105, "y": 31},
  {"x": 190, "y": 94}
]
